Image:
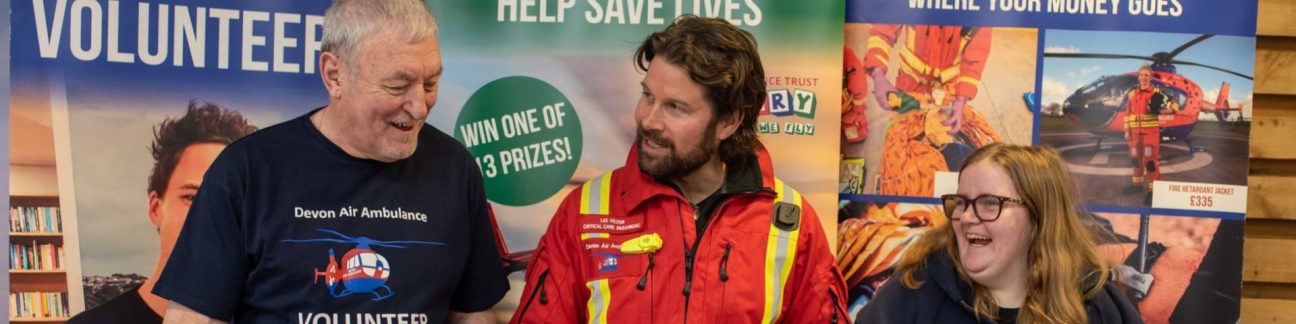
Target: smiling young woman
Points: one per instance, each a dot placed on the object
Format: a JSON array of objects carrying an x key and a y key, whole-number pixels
[{"x": 1016, "y": 249}]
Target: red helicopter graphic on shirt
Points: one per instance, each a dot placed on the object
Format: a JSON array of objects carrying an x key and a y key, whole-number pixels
[{"x": 365, "y": 270}]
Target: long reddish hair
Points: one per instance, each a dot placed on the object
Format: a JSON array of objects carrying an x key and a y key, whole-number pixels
[{"x": 1062, "y": 257}]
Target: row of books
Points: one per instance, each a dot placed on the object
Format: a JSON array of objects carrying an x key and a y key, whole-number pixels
[
  {"x": 35, "y": 220},
  {"x": 38, "y": 305},
  {"x": 35, "y": 256}
]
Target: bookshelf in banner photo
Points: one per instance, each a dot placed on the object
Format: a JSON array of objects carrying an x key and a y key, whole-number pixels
[
  {"x": 35, "y": 219},
  {"x": 38, "y": 306},
  {"x": 34, "y": 245},
  {"x": 38, "y": 288}
]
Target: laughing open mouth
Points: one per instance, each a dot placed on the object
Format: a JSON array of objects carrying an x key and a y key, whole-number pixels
[
  {"x": 978, "y": 239},
  {"x": 403, "y": 126}
]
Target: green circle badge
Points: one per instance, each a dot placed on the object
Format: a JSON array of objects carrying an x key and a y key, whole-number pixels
[{"x": 525, "y": 136}]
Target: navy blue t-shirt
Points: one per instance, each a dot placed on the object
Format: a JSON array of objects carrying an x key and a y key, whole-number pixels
[{"x": 289, "y": 228}]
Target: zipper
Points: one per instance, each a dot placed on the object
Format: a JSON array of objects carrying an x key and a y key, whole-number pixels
[
  {"x": 539, "y": 290},
  {"x": 691, "y": 251},
  {"x": 724, "y": 263},
  {"x": 643, "y": 280},
  {"x": 688, "y": 272},
  {"x": 688, "y": 258}
]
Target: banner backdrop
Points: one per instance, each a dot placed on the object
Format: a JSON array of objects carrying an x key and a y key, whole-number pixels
[
  {"x": 505, "y": 59},
  {"x": 542, "y": 93},
  {"x": 4, "y": 120},
  {"x": 1170, "y": 184}
]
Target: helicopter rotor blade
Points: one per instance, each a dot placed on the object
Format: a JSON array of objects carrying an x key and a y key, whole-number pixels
[
  {"x": 387, "y": 245},
  {"x": 1098, "y": 56},
  {"x": 1136, "y": 57},
  {"x": 325, "y": 230},
  {"x": 318, "y": 240},
  {"x": 1185, "y": 46},
  {"x": 1244, "y": 76},
  {"x": 393, "y": 244}
]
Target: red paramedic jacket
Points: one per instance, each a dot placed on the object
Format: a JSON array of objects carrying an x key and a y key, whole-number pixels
[
  {"x": 763, "y": 257},
  {"x": 931, "y": 56}
]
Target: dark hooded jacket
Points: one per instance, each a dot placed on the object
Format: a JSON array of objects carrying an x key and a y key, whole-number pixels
[{"x": 944, "y": 298}]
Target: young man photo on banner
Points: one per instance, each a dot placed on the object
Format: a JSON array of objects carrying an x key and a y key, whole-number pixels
[
  {"x": 183, "y": 149},
  {"x": 353, "y": 213},
  {"x": 694, "y": 227}
]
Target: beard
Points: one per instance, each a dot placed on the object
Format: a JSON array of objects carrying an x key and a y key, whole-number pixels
[
  {"x": 395, "y": 155},
  {"x": 389, "y": 149},
  {"x": 674, "y": 164}
]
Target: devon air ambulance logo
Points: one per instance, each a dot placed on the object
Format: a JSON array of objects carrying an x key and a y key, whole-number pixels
[
  {"x": 607, "y": 262},
  {"x": 365, "y": 270}
]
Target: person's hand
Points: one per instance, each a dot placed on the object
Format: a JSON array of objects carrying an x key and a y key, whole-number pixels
[
  {"x": 881, "y": 87},
  {"x": 1172, "y": 271},
  {"x": 1168, "y": 111},
  {"x": 954, "y": 118}
]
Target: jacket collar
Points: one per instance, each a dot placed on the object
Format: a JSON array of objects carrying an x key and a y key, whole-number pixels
[
  {"x": 752, "y": 174},
  {"x": 941, "y": 271},
  {"x": 1108, "y": 306}
]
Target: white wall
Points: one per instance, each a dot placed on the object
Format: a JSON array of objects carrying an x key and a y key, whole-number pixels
[{"x": 33, "y": 180}]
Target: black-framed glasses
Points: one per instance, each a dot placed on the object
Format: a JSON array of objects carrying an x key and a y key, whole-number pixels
[{"x": 989, "y": 205}]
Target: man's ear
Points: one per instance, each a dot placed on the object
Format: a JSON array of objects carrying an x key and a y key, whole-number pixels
[
  {"x": 331, "y": 70},
  {"x": 728, "y": 125},
  {"x": 155, "y": 209}
]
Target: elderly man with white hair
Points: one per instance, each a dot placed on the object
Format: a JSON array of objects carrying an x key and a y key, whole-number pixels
[{"x": 353, "y": 213}]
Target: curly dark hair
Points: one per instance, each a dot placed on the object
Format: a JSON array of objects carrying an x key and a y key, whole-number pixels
[
  {"x": 723, "y": 59},
  {"x": 203, "y": 123}
]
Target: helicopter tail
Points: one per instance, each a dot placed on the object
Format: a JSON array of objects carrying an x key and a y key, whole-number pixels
[{"x": 1221, "y": 102}]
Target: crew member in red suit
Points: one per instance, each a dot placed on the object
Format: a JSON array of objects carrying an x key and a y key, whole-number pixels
[
  {"x": 854, "y": 96},
  {"x": 1143, "y": 129},
  {"x": 939, "y": 72},
  {"x": 695, "y": 227}
]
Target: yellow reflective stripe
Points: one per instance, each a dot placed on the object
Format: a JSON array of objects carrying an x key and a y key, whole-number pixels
[
  {"x": 1140, "y": 121},
  {"x": 780, "y": 254},
  {"x": 778, "y": 189},
  {"x": 586, "y": 236},
  {"x": 963, "y": 43},
  {"x": 970, "y": 80},
  {"x": 768, "y": 315},
  {"x": 605, "y": 194},
  {"x": 947, "y": 75},
  {"x": 912, "y": 63},
  {"x": 600, "y": 298},
  {"x": 910, "y": 37},
  {"x": 883, "y": 59},
  {"x": 584, "y": 200},
  {"x": 596, "y": 195},
  {"x": 876, "y": 42}
]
